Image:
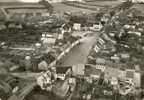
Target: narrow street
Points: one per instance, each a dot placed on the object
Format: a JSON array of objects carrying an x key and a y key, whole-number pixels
[{"x": 78, "y": 55}]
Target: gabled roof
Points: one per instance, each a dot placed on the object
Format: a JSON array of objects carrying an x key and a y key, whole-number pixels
[
  {"x": 89, "y": 70},
  {"x": 62, "y": 70}
]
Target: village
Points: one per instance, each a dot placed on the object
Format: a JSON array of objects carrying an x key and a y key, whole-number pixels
[{"x": 86, "y": 51}]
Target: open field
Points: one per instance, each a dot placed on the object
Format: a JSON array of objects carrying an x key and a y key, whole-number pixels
[
  {"x": 96, "y": 3},
  {"x": 60, "y": 7},
  {"x": 93, "y": 5},
  {"x": 88, "y": 7}
]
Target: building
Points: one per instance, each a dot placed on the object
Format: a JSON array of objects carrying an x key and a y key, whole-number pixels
[
  {"x": 48, "y": 38},
  {"x": 100, "y": 60},
  {"x": 61, "y": 88},
  {"x": 134, "y": 76},
  {"x": 125, "y": 55},
  {"x": 112, "y": 72},
  {"x": 96, "y": 27},
  {"x": 45, "y": 80},
  {"x": 77, "y": 26},
  {"x": 93, "y": 71},
  {"x": 62, "y": 72},
  {"x": 135, "y": 33},
  {"x": 78, "y": 69},
  {"x": 137, "y": 1}
]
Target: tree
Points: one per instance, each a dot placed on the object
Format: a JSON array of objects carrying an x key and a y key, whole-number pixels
[{"x": 48, "y": 5}]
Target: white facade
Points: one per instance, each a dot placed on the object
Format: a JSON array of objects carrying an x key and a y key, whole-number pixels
[
  {"x": 77, "y": 26},
  {"x": 137, "y": 1}
]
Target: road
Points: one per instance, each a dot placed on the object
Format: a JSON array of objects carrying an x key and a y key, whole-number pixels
[{"x": 78, "y": 55}]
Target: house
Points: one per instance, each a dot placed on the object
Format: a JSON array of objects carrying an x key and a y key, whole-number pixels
[
  {"x": 137, "y": 79},
  {"x": 96, "y": 27},
  {"x": 96, "y": 48},
  {"x": 101, "y": 67},
  {"x": 137, "y": 1},
  {"x": 104, "y": 19},
  {"x": 130, "y": 74},
  {"x": 93, "y": 71},
  {"x": 111, "y": 34},
  {"x": 62, "y": 72},
  {"x": 114, "y": 81},
  {"x": 115, "y": 58},
  {"x": 113, "y": 72},
  {"x": 55, "y": 1},
  {"x": 72, "y": 80},
  {"x": 77, "y": 26},
  {"x": 45, "y": 80},
  {"x": 100, "y": 60},
  {"x": 78, "y": 69},
  {"x": 42, "y": 65},
  {"x": 129, "y": 26},
  {"x": 101, "y": 41},
  {"x": 136, "y": 33},
  {"x": 96, "y": 73},
  {"x": 107, "y": 38},
  {"x": 124, "y": 55},
  {"x": 134, "y": 76},
  {"x": 48, "y": 39}
]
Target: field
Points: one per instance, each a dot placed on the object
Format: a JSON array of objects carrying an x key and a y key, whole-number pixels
[
  {"x": 89, "y": 7},
  {"x": 60, "y": 7}
]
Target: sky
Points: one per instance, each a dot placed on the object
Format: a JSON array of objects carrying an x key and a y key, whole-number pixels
[{"x": 19, "y": 0}]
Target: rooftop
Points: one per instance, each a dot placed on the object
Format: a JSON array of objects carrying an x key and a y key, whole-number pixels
[
  {"x": 62, "y": 70},
  {"x": 90, "y": 70}
]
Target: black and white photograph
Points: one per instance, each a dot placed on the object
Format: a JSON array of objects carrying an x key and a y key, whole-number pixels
[{"x": 71, "y": 49}]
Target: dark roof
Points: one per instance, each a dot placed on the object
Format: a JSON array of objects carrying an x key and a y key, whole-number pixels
[
  {"x": 62, "y": 70},
  {"x": 92, "y": 71},
  {"x": 129, "y": 74}
]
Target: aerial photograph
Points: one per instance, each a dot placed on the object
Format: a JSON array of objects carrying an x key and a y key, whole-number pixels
[{"x": 71, "y": 49}]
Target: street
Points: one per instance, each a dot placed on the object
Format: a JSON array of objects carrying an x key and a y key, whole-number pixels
[{"x": 78, "y": 55}]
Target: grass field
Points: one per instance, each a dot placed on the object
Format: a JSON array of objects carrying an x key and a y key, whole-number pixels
[
  {"x": 90, "y": 6},
  {"x": 60, "y": 7}
]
